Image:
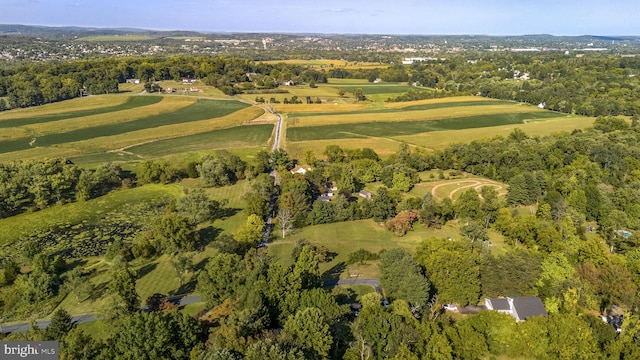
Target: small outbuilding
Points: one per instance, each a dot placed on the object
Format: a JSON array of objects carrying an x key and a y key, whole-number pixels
[{"x": 365, "y": 194}]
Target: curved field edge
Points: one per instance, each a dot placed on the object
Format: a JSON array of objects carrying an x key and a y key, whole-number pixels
[
  {"x": 201, "y": 110},
  {"x": 437, "y": 140},
  {"x": 235, "y": 137},
  {"x": 390, "y": 129},
  {"x": 114, "y": 142},
  {"x": 166, "y": 105},
  {"x": 414, "y": 115},
  {"x": 78, "y": 104},
  {"x": 414, "y": 107},
  {"x": 131, "y": 103},
  {"x": 15, "y": 227},
  {"x": 190, "y": 120}
]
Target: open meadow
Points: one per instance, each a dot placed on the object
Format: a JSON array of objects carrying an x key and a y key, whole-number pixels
[{"x": 347, "y": 237}]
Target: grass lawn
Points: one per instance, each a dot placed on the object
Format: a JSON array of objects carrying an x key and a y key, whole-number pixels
[
  {"x": 233, "y": 194},
  {"x": 347, "y": 237},
  {"x": 15, "y": 227},
  {"x": 99, "y": 330},
  {"x": 158, "y": 276}
]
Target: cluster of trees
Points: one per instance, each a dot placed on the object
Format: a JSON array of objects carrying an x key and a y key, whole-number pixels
[
  {"x": 37, "y": 184},
  {"x": 591, "y": 85},
  {"x": 41, "y": 83}
]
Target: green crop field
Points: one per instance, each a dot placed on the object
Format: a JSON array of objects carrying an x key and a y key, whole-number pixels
[
  {"x": 201, "y": 110},
  {"x": 131, "y": 103},
  {"x": 432, "y": 106},
  {"x": 390, "y": 129},
  {"x": 413, "y": 115},
  {"x": 235, "y": 137}
]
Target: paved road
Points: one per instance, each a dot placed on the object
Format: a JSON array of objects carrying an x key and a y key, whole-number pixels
[
  {"x": 276, "y": 142},
  {"x": 375, "y": 283},
  {"x": 22, "y": 327}
]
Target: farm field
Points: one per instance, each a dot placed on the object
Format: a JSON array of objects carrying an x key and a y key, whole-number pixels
[
  {"x": 131, "y": 103},
  {"x": 134, "y": 120},
  {"x": 235, "y": 137},
  {"x": 392, "y": 128},
  {"x": 200, "y": 110},
  {"x": 433, "y": 123},
  {"x": 349, "y": 65}
]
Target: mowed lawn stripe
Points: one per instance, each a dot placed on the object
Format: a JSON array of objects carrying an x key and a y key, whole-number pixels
[
  {"x": 202, "y": 110},
  {"x": 131, "y": 103},
  {"x": 239, "y": 136},
  {"x": 388, "y": 129},
  {"x": 408, "y": 108}
]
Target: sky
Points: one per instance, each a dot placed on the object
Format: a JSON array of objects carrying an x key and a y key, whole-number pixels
[{"x": 426, "y": 17}]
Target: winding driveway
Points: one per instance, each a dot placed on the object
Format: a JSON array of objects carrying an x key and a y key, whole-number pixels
[{"x": 25, "y": 326}]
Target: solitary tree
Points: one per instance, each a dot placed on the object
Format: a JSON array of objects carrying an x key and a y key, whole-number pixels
[
  {"x": 251, "y": 232},
  {"x": 198, "y": 207},
  {"x": 285, "y": 220}
]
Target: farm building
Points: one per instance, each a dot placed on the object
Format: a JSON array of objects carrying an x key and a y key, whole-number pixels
[
  {"x": 365, "y": 194},
  {"x": 189, "y": 80},
  {"x": 298, "y": 170}
]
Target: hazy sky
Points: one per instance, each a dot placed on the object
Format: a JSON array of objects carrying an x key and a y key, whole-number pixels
[{"x": 492, "y": 17}]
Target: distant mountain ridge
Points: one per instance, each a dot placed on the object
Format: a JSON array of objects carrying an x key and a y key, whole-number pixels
[{"x": 79, "y": 31}]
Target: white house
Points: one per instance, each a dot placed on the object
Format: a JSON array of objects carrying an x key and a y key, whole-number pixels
[{"x": 298, "y": 170}]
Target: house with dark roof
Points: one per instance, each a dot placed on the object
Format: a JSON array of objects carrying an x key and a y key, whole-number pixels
[{"x": 521, "y": 308}]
